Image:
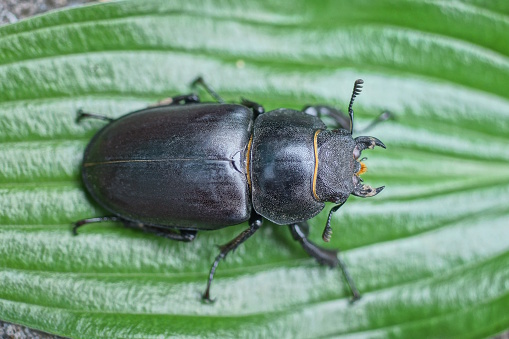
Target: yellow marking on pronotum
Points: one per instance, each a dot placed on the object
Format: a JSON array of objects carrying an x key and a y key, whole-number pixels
[
  {"x": 315, "y": 174},
  {"x": 363, "y": 169},
  {"x": 248, "y": 158}
]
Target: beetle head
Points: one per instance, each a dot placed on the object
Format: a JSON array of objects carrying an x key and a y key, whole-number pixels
[
  {"x": 361, "y": 190},
  {"x": 339, "y": 166},
  {"x": 338, "y": 175}
]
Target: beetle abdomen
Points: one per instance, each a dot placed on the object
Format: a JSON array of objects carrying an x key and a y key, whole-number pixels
[
  {"x": 282, "y": 166},
  {"x": 173, "y": 166}
]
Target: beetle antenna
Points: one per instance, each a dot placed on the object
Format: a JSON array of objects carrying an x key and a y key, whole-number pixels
[
  {"x": 357, "y": 88},
  {"x": 327, "y": 231}
]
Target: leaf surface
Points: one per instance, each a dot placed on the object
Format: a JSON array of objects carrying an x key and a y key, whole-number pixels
[{"x": 430, "y": 253}]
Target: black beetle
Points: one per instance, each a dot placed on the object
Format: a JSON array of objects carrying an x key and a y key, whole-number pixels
[{"x": 183, "y": 166}]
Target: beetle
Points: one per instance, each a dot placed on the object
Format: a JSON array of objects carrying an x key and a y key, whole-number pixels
[{"x": 183, "y": 166}]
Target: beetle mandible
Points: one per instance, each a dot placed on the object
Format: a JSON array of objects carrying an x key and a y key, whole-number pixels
[{"x": 184, "y": 166}]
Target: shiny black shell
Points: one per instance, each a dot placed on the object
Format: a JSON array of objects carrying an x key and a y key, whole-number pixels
[
  {"x": 173, "y": 166},
  {"x": 282, "y": 166}
]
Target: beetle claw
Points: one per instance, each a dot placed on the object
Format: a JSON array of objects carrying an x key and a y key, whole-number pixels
[
  {"x": 365, "y": 191},
  {"x": 79, "y": 114},
  {"x": 355, "y": 298},
  {"x": 77, "y": 225},
  {"x": 205, "y": 298},
  {"x": 368, "y": 142}
]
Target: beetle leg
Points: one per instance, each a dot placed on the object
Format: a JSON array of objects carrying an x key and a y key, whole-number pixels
[
  {"x": 168, "y": 233},
  {"x": 257, "y": 108},
  {"x": 183, "y": 235},
  {"x": 178, "y": 100},
  {"x": 385, "y": 115},
  {"x": 199, "y": 81},
  {"x": 323, "y": 256},
  {"x": 255, "y": 221},
  {"x": 341, "y": 119},
  {"x": 80, "y": 114},
  {"x": 80, "y": 223}
]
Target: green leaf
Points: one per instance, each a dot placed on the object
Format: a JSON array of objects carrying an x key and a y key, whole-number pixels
[{"x": 430, "y": 253}]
